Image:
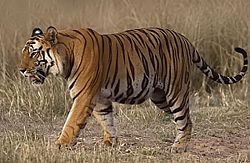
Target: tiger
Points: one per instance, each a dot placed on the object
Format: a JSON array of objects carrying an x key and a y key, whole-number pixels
[{"x": 129, "y": 67}]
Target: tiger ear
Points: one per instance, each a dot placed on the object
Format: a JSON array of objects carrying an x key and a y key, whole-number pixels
[
  {"x": 36, "y": 32},
  {"x": 51, "y": 35}
]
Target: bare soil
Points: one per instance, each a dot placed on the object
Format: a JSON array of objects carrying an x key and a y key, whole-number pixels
[{"x": 150, "y": 140}]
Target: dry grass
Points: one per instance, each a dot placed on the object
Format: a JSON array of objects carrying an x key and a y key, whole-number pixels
[{"x": 30, "y": 118}]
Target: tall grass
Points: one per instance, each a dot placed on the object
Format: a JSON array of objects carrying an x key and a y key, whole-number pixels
[{"x": 214, "y": 27}]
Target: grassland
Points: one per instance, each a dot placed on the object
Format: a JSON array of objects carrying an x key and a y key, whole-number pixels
[{"x": 31, "y": 118}]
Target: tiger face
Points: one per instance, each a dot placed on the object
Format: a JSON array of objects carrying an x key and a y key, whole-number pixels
[{"x": 38, "y": 58}]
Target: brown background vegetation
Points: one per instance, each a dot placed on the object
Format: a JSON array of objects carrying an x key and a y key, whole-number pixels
[{"x": 31, "y": 117}]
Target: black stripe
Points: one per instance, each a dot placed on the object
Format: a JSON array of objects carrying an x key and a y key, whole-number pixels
[
  {"x": 47, "y": 70},
  {"x": 244, "y": 69},
  {"x": 117, "y": 99},
  {"x": 71, "y": 36},
  {"x": 181, "y": 117},
  {"x": 130, "y": 89},
  {"x": 175, "y": 69},
  {"x": 138, "y": 51},
  {"x": 35, "y": 38},
  {"x": 169, "y": 68},
  {"x": 225, "y": 79},
  {"x": 238, "y": 77},
  {"x": 232, "y": 79},
  {"x": 148, "y": 36},
  {"x": 31, "y": 43},
  {"x": 145, "y": 65},
  {"x": 144, "y": 82},
  {"x": 131, "y": 41},
  {"x": 105, "y": 111},
  {"x": 168, "y": 43},
  {"x": 182, "y": 129},
  {"x": 137, "y": 38},
  {"x": 116, "y": 68},
  {"x": 142, "y": 99},
  {"x": 159, "y": 60},
  {"x": 116, "y": 90},
  {"x": 171, "y": 103},
  {"x": 40, "y": 48},
  {"x": 164, "y": 66},
  {"x": 155, "y": 80},
  {"x": 107, "y": 83},
  {"x": 146, "y": 45},
  {"x": 71, "y": 86},
  {"x": 156, "y": 33},
  {"x": 203, "y": 66},
  {"x": 123, "y": 100},
  {"x": 168, "y": 78},
  {"x": 80, "y": 33},
  {"x": 81, "y": 89},
  {"x": 73, "y": 83},
  {"x": 188, "y": 49},
  {"x": 110, "y": 58},
  {"x": 215, "y": 75},
  {"x": 132, "y": 101},
  {"x": 98, "y": 53},
  {"x": 132, "y": 69},
  {"x": 137, "y": 47},
  {"x": 198, "y": 58},
  {"x": 48, "y": 53},
  {"x": 152, "y": 58},
  {"x": 43, "y": 54},
  {"x": 121, "y": 45}
]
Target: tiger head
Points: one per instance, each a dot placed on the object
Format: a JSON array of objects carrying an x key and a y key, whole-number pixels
[{"x": 39, "y": 56}]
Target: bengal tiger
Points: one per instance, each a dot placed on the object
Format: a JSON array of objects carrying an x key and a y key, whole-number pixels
[{"x": 128, "y": 67}]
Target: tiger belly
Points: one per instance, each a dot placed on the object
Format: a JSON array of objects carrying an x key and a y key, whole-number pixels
[{"x": 135, "y": 93}]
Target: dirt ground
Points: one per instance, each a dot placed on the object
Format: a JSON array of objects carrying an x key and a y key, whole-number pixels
[{"x": 139, "y": 140}]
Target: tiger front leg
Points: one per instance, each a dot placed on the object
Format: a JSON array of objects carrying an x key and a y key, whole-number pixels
[
  {"x": 103, "y": 112},
  {"x": 76, "y": 120}
]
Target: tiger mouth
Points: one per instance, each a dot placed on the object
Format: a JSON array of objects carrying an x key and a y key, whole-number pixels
[{"x": 37, "y": 78}]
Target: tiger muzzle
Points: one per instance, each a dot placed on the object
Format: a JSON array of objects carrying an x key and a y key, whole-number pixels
[{"x": 36, "y": 77}]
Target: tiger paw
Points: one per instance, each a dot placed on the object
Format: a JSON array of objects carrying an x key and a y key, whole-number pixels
[
  {"x": 111, "y": 141},
  {"x": 178, "y": 147},
  {"x": 63, "y": 143}
]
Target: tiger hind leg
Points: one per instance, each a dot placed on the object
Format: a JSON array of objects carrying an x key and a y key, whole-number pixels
[
  {"x": 103, "y": 112},
  {"x": 180, "y": 111},
  {"x": 158, "y": 97}
]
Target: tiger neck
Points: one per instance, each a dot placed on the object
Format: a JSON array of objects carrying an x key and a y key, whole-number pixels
[{"x": 64, "y": 57}]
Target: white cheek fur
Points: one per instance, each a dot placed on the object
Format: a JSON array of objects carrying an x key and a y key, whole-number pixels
[{"x": 57, "y": 66}]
